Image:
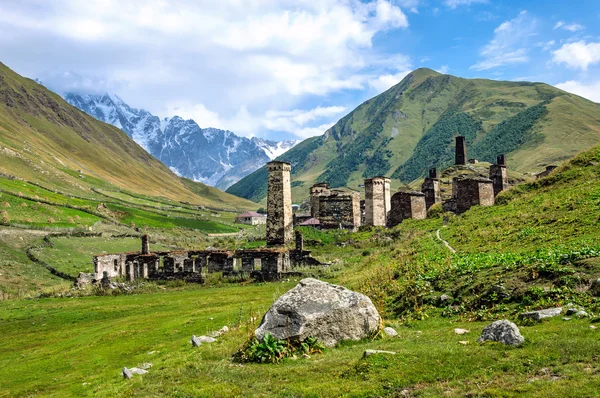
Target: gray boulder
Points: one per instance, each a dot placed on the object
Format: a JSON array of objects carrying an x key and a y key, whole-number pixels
[
  {"x": 127, "y": 373},
  {"x": 327, "y": 312},
  {"x": 541, "y": 314},
  {"x": 504, "y": 332},
  {"x": 84, "y": 280},
  {"x": 195, "y": 341}
]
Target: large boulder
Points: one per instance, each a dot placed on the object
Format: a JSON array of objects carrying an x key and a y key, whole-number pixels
[
  {"x": 504, "y": 332},
  {"x": 321, "y": 310}
]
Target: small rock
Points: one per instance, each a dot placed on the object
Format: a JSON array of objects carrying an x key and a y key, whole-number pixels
[
  {"x": 146, "y": 365},
  {"x": 215, "y": 334},
  {"x": 444, "y": 298},
  {"x": 127, "y": 373},
  {"x": 368, "y": 353},
  {"x": 504, "y": 332},
  {"x": 390, "y": 331},
  {"x": 224, "y": 329},
  {"x": 573, "y": 310},
  {"x": 138, "y": 371},
  {"x": 566, "y": 319},
  {"x": 593, "y": 327},
  {"x": 541, "y": 314},
  {"x": 206, "y": 339},
  {"x": 152, "y": 352},
  {"x": 196, "y": 341},
  {"x": 461, "y": 331},
  {"x": 581, "y": 314},
  {"x": 305, "y": 356},
  {"x": 463, "y": 342}
]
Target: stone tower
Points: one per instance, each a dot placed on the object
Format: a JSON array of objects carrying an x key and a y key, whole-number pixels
[
  {"x": 279, "y": 204},
  {"x": 431, "y": 189},
  {"x": 145, "y": 244},
  {"x": 320, "y": 189},
  {"x": 461, "y": 151},
  {"x": 499, "y": 175},
  {"x": 407, "y": 204},
  {"x": 377, "y": 201}
]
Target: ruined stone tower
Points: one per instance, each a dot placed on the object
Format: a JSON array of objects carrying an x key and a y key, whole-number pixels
[
  {"x": 320, "y": 189},
  {"x": 499, "y": 175},
  {"x": 461, "y": 151},
  {"x": 145, "y": 244},
  {"x": 279, "y": 204},
  {"x": 472, "y": 191},
  {"x": 407, "y": 204},
  {"x": 340, "y": 209},
  {"x": 431, "y": 189},
  {"x": 377, "y": 201}
]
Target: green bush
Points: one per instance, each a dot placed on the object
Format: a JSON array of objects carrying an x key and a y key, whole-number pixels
[{"x": 272, "y": 350}]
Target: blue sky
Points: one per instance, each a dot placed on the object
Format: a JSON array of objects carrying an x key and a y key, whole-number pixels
[{"x": 291, "y": 68}]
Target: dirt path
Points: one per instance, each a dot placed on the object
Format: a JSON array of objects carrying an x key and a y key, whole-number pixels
[{"x": 445, "y": 243}]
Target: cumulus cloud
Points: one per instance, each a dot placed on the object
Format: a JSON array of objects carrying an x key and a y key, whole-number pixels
[
  {"x": 507, "y": 46},
  {"x": 232, "y": 57},
  {"x": 589, "y": 90},
  {"x": 573, "y": 27},
  {"x": 578, "y": 55}
]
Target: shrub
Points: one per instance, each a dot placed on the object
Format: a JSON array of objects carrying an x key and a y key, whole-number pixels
[{"x": 272, "y": 350}]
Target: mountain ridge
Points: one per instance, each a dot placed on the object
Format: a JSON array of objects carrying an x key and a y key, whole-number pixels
[
  {"x": 209, "y": 155},
  {"x": 410, "y": 128}
]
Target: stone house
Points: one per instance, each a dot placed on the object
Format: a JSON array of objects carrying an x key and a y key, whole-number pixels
[{"x": 251, "y": 218}]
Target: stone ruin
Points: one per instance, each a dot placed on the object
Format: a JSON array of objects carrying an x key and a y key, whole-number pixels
[
  {"x": 549, "y": 169},
  {"x": 407, "y": 204},
  {"x": 468, "y": 192},
  {"x": 377, "y": 201},
  {"x": 279, "y": 204},
  {"x": 335, "y": 208},
  {"x": 499, "y": 175},
  {"x": 431, "y": 189},
  {"x": 265, "y": 264}
]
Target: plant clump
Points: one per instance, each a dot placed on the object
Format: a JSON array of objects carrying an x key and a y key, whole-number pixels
[{"x": 273, "y": 350}]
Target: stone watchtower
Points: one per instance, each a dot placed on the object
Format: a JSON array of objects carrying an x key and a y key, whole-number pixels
[
  {"x": 279, "y": 204},
  {"x": 499, "y": 175},
  {"x": 461, "y": 151},
  {"x": 431, "y": 189},
  {"x": 377, "y": 201},
  {"x": 320, "y": 189}
]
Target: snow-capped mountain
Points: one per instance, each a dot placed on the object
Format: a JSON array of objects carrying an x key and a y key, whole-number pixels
[{"x": 212, "y": 156}]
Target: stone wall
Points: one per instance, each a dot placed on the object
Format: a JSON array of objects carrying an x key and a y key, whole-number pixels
[
  {"x": 340, "y": 209},
  {"x": 407, "y": 204},
  {"x": 377, "y": 201},
  {"x": 473, "y": 191},
  {"x": 317, "y": 190},
  {"x": 279, "y": 204},
  {"x": 431, "y": 190}
]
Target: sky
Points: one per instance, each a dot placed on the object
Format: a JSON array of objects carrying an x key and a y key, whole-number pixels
[{"x": 289, "y": 69}]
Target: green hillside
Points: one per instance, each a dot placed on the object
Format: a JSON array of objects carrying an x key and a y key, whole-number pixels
[
  {"x": 411, "y": 127},
  {"x": 47, "y": 141}
]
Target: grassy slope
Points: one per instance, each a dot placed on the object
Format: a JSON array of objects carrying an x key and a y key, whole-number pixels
[
  {"x": 45, "y": 140},
  {"x": 376, "y": 138},
  {"x": 88, "y": 340}
]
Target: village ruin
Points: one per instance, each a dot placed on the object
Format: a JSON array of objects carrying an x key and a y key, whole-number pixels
[{"x": 330, "y": 209}]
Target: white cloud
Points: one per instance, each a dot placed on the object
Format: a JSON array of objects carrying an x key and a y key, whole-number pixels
[
  {"x": 508, "y": 45},
  {"x": 589, "y": 90},
  {"x": 578, "y": 55},
  {"x": 574, "y": 27},
  {"x": 225, "y": 61},
  {"x": 547, "y": 45},
  {"x": 444, "y": 69},
  {"x": 384, "y": 82},
  {"x": 457, "y": 3}
]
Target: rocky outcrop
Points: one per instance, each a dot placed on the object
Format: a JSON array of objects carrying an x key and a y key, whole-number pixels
[
  {"x": 504, "y": 332},
  {"x": 541, "y": 314},
  {"x": 321, "y": 310}
]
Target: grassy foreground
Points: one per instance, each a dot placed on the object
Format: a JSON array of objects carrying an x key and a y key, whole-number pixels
[{"x": 77, "y": 347}]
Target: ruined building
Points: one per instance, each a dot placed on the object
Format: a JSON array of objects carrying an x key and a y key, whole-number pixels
[
  {"x": 460, "y": 156},
  {"x": 407, "y": 204},
  {"x": 549, "y": 169},
  {"x": 279, "y": 204},
  {"x": 499, "y": 175},
  {"x": 377, "y": 201},
  {"x": 431, "y": 189},
  {"x": 340, "y": 209},
  {"x": 193, "y": 265},
  {"x": 317, "y": 190},
  {"x": 468, "y": 192}
]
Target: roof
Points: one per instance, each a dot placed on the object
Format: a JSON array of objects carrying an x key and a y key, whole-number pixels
[
  {"x": 252, "y": 214},
  {"x": 311, "y": 221}
]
